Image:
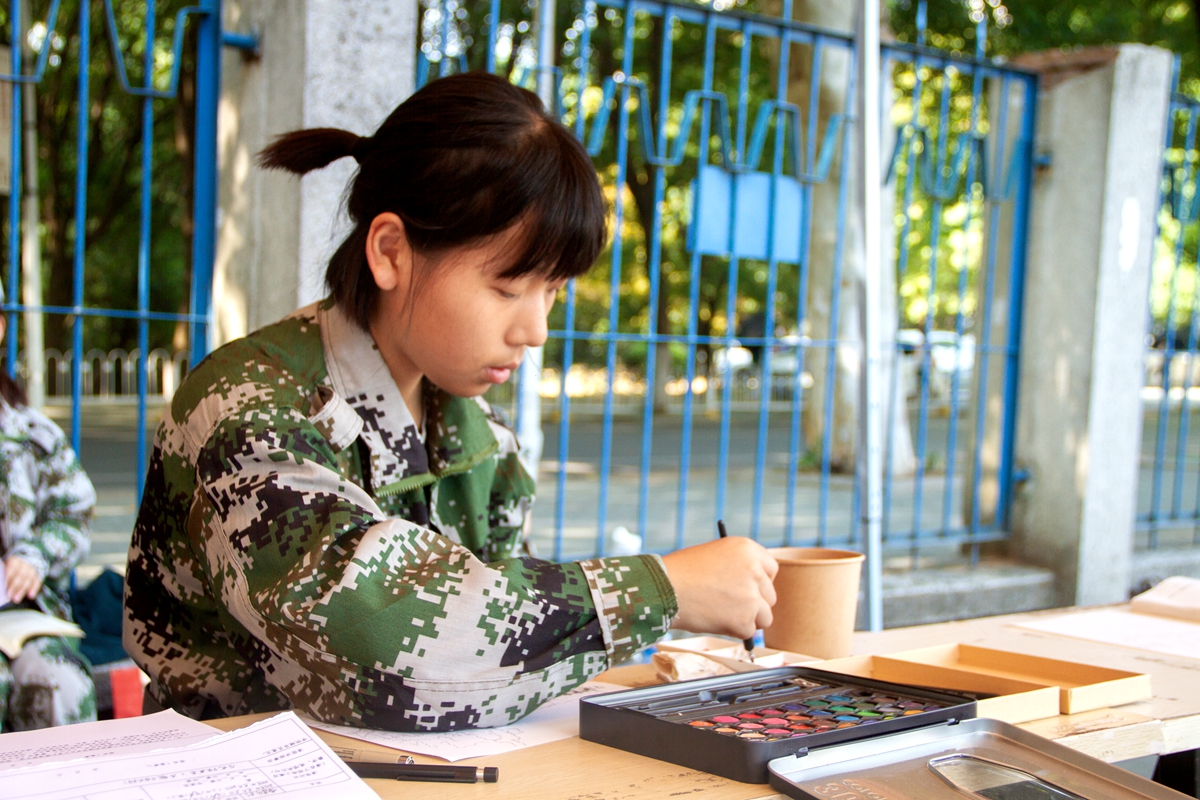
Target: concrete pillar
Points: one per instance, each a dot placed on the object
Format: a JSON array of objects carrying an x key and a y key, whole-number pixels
[
  {"x": 1101, "y": 121},
  {"x": 324, "y": 63}
]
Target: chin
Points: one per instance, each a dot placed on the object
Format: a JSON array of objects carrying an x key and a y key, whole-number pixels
[{"x": 466, "y": 389}]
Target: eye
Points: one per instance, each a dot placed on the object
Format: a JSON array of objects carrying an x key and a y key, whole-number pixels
[{"x": 506, "y": 295}]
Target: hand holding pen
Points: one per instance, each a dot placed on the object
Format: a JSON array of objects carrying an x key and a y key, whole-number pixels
[
  {"x": 747, "y": 643},
  {"x": 723, "y": 586}
]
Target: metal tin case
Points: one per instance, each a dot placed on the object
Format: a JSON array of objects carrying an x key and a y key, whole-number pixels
[
  {"x": 644, "y": 721},
  {"x": 897, "y": 767}
]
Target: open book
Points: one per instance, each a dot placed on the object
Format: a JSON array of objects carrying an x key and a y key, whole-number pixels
[{"x": 17, "y": 624}]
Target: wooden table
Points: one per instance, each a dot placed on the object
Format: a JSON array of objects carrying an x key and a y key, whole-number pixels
[{"x": 573, "y": 769}]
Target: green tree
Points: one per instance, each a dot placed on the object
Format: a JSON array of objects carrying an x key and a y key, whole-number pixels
[{"x": 113, "y": 171}]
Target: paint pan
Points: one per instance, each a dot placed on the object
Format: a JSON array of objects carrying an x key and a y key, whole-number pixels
[{"x": 732, "y": 725}]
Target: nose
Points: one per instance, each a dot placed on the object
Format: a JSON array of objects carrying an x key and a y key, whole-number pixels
[{"x": 531, "y": 329}]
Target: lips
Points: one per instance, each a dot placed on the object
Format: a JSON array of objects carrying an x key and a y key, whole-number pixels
[{"x": 499, "y": 374}]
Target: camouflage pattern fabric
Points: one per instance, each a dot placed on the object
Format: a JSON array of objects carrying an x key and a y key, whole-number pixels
[
  {"x": 300, "y": 546},
  {"x": 49, "y": 683},
  {"x": 46, "y": 499}
]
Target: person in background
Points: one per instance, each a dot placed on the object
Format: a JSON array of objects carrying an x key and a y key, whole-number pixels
[
  {"x": 333, "y": 516},
  {"x": 46, "y": 504}
]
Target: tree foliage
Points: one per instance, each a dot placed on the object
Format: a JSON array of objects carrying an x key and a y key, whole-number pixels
[
  {"x": 113, "y": 170},
  {"x": 1039, "y": 25}
]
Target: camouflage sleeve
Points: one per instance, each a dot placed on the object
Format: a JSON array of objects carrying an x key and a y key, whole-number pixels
[
  {"x": 49, "y": 524},
  {"x": 378, "y": 622}
]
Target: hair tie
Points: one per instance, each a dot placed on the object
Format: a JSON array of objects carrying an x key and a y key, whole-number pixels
[{"x": 362, "y": 148}]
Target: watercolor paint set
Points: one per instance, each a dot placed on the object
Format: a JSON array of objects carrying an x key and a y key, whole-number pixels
[{"x": 732, "y": 725}]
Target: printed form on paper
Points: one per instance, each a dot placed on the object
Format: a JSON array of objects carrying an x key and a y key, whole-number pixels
[{"x": 280, "y": 757}]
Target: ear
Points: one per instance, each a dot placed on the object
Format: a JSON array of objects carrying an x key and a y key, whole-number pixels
[{"x": 388, "y": 253}]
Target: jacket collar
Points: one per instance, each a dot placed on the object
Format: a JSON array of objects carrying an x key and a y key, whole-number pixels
[{"x": 458, "y": 436}]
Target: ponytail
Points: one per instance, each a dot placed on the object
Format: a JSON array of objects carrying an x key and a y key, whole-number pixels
[
  {"x": 465, "y": 158},
  {"x": 307, "y": 150}
]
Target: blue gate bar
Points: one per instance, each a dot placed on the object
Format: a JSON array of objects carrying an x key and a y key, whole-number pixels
[
  {"x": 654, "y": 266},
  {"x": 939, "y": 194},
  {"x": 731, "y": 276},
  {"x": 901, "y": 266},
  {"x": 983, "y": 359},
  {"x": 614, "y": 289},
  {"x": 564, "y": 426},
  {"x": 960, "y": 317},
  {"x": 14, "y": 194},
  {"x": 208, "y": 90},
  {"x": 1022, "y": 168},
  {"x": 143, "y": 269},
  {"x": 81, "y": 150},
  {"x": 685, "y": 450}
]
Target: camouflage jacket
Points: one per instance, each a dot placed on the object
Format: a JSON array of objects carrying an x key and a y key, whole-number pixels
[
  {"x": 298, "y": 546},
  {"x": 46, "y": 500}
]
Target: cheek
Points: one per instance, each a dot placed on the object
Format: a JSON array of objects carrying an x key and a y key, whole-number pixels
[{"x": 455, "y": 329}]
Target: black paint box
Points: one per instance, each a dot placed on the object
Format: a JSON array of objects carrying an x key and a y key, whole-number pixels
[{"x": 717, "y": 725}]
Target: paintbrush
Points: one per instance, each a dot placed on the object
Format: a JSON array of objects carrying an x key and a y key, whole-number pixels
[{"x": 749, "y": 643}]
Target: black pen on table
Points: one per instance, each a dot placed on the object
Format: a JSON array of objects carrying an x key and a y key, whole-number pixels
[
  {"x": 749, "y": 643},
  {"x": 439, "y": 773}
]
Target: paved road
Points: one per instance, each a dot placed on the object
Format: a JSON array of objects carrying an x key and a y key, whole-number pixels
[{"x": 108, "y": 451}]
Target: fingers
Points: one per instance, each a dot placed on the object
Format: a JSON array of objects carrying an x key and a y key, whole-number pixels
[
  {"x": 770, "y": 566},
  {"x": 766, "y": 588},
  {"x": 764, "y": 619},
  {"x": 723, "y": 586},
  {"x": 19, "y": 586},
  {"x": 22, "y": 579}
]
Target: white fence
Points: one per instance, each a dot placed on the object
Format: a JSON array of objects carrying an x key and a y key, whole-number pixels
[{"x": 111, "y": 374}]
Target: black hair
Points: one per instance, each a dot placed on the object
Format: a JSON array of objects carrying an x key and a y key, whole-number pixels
[
  {"x": 464, "y": 158},
  {"x": 11, "y": 391}
]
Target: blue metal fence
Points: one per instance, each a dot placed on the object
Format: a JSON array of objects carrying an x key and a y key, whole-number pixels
[
  {"x": 1169, "y": 478},
  {"x": 961, "y": 168},
  {"x": 706, "y": 368},
  {"x": 157, "y": 84}
]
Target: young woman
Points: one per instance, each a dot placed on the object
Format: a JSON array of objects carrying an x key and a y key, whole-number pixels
[
  {"x": 332, "y": 517},
  {"x": 47, "y": 502}
]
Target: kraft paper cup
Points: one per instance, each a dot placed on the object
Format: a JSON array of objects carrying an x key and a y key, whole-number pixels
[{"x": 817, "y": 597}]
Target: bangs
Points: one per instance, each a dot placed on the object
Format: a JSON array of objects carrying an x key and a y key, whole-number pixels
[
  {"x": 558, "y": 244},
  {"x": 564, "y": 213},
  {"x": 462, "y": 161}
]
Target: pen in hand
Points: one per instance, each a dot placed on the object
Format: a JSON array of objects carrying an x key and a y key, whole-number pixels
[{"x": 749, "y": 643}]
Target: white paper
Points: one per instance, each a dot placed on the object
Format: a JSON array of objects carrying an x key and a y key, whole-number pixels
[
  {"x": 20, "y": 624},
  {"x": 279, "y": 757},
  {"x": 98, "y": 739},
  {"x": 1158, "y": 634},
  {"x": 1176, "y": 596},
  {"x": 557, "y": 719}
]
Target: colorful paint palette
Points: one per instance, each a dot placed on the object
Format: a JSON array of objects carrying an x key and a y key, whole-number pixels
[
  {"x": 734, "y": 724},
  {"x": 811, "y": 715},
  {"x": 813, "y": 709}
]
